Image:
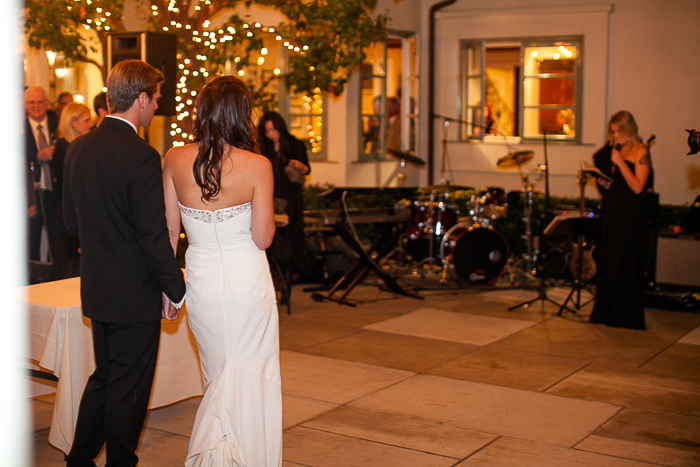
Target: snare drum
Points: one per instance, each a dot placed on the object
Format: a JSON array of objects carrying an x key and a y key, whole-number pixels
[
  {"x": 445, "y": 216},
  {"x": 476, "y": 254}
]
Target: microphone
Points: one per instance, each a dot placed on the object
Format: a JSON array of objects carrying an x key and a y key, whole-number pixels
[{"x": 617, "y": 147}]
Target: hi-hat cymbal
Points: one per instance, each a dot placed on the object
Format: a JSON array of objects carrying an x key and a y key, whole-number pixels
[
  {"x": 517, "y": 158},
  {"x": 408, "y": 156},
  {"x": 447, "y": 188}
]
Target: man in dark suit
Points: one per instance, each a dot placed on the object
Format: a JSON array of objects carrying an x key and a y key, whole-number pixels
[
  {"x": 39, "y": 129},
  {"x": 99, "y": 103},
  {"x": 113, "y": 198}
]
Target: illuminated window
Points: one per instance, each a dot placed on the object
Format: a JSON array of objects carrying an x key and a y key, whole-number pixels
[
  {"x": 306, "y": 122},
  {"x": 389, "y": 97},
  {"x": 523, "y": 88},
  {"x": 303, "y": 113}
]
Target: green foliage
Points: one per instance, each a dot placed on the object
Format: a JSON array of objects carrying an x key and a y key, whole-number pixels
[
  {"x": 335, "y": 32},
  {"x": 326, "y": 38},
  {"x": 72, "y": 27},
  {"x": 670, "y": 215}
]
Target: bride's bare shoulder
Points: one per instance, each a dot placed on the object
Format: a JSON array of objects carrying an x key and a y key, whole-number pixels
[
  {"x": 180, "y": 154},
  {"x": 256, "y": 161}
]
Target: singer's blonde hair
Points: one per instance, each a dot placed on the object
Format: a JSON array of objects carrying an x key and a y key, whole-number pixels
[{"x": 625, "y": 124}]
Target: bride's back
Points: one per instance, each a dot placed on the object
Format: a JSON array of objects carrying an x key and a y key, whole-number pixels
[
  {"x": 241, "y": 171},
  {"x": 220, "y": 170}
]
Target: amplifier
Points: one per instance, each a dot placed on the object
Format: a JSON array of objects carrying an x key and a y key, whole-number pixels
[{"x": 678, "y": 261}]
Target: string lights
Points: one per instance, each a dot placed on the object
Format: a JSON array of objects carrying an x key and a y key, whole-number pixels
[{"x": 206, "y": 51}]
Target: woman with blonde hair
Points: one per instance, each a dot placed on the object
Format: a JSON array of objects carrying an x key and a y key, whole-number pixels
[
  {"x": 75, "y": 121},
  {"x": 622, "y": 252}
]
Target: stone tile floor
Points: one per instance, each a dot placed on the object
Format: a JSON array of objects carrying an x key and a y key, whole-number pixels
[{"x": 458, "y": 380}]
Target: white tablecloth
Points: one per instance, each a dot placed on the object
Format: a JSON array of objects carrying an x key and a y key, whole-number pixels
[{"x": 60, "y": 340}]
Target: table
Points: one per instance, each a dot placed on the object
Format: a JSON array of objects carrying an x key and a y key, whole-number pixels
[{"x": 60, "y": 340}]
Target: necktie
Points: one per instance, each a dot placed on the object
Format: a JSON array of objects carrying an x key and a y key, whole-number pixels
[
  {"x": 40, "y": 138},
  {"x": 46, "y": 182}
]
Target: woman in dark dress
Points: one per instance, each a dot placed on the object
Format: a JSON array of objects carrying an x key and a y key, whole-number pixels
[
  {"x": 285, "y": 151},
  {"x": 75, "y": 121},
  {"x": 623, "y": 244}
]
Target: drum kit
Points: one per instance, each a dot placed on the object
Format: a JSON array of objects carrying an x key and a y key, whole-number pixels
[{"x": 460, "y": 243}]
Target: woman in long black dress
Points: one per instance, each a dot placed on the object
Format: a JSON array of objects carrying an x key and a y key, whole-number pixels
[
  {"x": 75, "y": 121},
  {"x": 286, "y": 152},
  {"x": 623, "y": 245}
]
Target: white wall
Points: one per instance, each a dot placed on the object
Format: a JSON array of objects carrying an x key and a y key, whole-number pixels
[{"x": 638, "y": 55}]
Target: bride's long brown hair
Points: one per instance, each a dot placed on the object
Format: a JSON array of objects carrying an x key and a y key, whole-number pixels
[{"x": 223, "y": 117}]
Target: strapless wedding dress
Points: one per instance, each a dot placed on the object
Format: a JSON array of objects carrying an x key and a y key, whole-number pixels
[{"x": 232, "y": 312}]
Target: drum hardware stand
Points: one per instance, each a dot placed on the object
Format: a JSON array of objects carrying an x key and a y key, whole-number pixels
[
  {"x": 528, "y": 256},
  {"x": 401, "y": 177},
  {"x": 542, "y": 289},
  {"x": 579, "y": 282}
]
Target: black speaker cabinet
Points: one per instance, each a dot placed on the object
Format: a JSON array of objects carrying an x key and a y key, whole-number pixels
[
  {"x": 678, "y": 261},
  {"x": 158, "y": 49}
]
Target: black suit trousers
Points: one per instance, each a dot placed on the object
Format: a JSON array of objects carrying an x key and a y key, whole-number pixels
[
  {"x": 46, "y": 217},
  {"x": 114, "y": 404}
]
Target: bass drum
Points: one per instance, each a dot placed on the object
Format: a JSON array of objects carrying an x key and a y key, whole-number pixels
[{"x": 476, "y": 255}]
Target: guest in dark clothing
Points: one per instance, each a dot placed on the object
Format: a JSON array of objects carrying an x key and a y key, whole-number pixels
[
  {"x": 290, "y": 163},
  {"x": 75, "y": 121},
  {"x": 623, "y": 243},
  {"x": 99, "y": 103}
]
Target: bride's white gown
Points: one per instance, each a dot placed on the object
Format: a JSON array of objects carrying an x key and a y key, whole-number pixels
[{"x": 233, "y": 314}]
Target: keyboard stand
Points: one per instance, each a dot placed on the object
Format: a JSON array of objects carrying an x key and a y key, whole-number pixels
[{"x": 365, "y": 264}]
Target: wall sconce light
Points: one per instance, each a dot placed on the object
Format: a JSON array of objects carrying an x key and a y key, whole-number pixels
[
  {"x": 51, "y": 56},
  {"x": 61, "y": 72}
]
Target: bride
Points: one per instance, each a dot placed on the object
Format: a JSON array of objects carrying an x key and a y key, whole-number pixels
[{"x": 222, "y": 192}]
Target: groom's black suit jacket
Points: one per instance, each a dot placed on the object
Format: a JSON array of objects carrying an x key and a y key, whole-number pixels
[{"x": 113, "y": 199}]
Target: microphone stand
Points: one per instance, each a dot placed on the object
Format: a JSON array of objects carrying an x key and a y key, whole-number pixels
[{"x": 542, "y": 288}]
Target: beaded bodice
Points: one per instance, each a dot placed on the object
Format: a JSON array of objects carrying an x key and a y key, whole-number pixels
[{"x": 214, "y": 217}]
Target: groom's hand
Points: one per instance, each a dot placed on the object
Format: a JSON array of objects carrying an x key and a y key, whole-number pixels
[{"x": 170, "y": 312}]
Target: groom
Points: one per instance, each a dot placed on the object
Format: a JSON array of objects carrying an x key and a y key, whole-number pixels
[{"x": 113, "y": 199}]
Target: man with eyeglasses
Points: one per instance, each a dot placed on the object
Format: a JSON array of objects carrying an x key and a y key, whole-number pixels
[{"x": 39, "y": 129}]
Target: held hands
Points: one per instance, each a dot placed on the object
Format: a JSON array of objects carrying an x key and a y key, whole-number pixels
[{"x": 170, "y": 312}]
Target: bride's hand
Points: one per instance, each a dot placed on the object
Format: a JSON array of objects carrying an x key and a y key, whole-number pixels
[{"x": 169, "y": 311}]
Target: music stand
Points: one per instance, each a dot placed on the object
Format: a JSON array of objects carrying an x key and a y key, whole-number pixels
[{"x": 580, "y": 226}]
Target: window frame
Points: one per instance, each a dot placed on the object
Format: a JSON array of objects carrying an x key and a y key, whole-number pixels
[
  {"x": 467, "y": 134},
  {"x": 408, "y": 75}
]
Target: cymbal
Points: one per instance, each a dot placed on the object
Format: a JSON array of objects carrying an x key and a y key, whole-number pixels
[
  {"x": 408, "y": 156},
  {"x": 446, "y": 188},
  {"x": 516, "y": 158}
]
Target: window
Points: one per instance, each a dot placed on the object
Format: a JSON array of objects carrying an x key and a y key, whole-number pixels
[
  {"x": 303, "y": 113},
  {"x": 522, "y": 89},
  {"x": 306, "y": 122},
  {"x": 389, "y": 97}
]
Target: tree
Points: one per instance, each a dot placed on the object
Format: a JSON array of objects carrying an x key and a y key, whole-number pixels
[{"x": 324, "y": 39}]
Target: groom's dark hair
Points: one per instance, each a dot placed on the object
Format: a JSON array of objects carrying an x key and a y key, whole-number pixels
[{"x": 127, "y": 80}]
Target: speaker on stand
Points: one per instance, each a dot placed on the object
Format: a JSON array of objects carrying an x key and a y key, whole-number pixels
[{"x": 158, "y": 49}]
